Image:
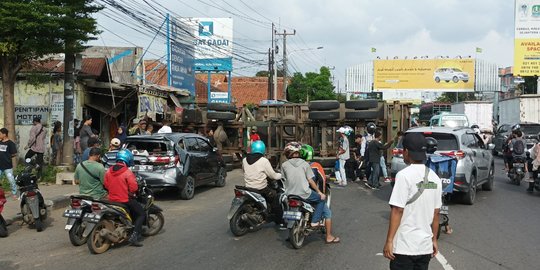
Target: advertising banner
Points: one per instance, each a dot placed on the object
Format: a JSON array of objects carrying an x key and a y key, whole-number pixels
[
  {"x": 151, "y": 105},
  {"x": 182, "y": 74},
  {"x": 445, "y": 75},
  {"x": 213, "y": 44},
  {"x": 527, "y": 38}
]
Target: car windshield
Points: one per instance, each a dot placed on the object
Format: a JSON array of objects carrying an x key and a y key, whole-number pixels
[
  {"x": 445, "y": 141},
  {"x": 151, "y": 147},
  {"x": 530, "y": 130},
  {"x": 456, "y": 69},
  {"x": 454, "y": 121}
]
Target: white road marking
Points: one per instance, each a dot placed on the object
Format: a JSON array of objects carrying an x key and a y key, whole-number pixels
[
  {"x": 442, "y": 260},
  {"x": 378, "y": 254}
]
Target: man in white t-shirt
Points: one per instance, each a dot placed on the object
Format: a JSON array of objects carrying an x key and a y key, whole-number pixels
[
  {"x": 343, "y": 154},
  {"x": 166, "y": 127},
  {"x": 411, "y": 241}
]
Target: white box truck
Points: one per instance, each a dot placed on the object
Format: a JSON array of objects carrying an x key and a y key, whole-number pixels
[
  {"x": 525, "y": 108},
  {"x": 478, "y": 112}
]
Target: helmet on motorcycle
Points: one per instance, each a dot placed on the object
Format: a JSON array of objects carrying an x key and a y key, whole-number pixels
[
  {"x": 371, "y": 128},
  {"x": 125, "y": 156},
  {"x": 516, "y": 127},
  {"x": 431, "y": 145},
  {"x": 258, "y": 147},
  {"x": 291, "y": 148},
  {"x": 306, "y": 152}
]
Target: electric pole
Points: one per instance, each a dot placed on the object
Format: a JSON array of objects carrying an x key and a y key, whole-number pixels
[
  {"x": 285, "y": 34},
  {"x": 69, "y": 92},
  {"x": 269, "y": 76}
]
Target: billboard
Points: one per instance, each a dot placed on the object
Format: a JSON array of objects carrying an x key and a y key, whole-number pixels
[
  {"x": 181, "y": 54},
  {"x": 213, "y": 44},
  {"x": 527, "y": 38},
  {"x": 446, "y": 75}
]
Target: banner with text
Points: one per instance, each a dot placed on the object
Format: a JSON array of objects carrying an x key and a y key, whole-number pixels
[
  {"x": 527, "y": 38},
  {"x": 213, "y": 44},
  {"x": 182, "y": 74},
  {"x": 446, "y": 75}
]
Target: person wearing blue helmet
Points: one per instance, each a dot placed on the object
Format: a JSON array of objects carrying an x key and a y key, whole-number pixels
[
  {"x": 257, "y": 170},
  {"x": 122, "y": 184}
]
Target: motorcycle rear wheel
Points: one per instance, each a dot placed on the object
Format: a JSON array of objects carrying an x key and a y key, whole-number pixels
[
  {"x": 155, "y": 224},
  {"x": 75, "y": 234},
  {"x": 97, "y": 244},
  {"x": 39, "y": 224},
  {"x": 239, "y": 227},
  {"x": 296, "y": 234}
]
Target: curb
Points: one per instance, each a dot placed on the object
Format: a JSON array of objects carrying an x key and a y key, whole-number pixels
[{"x": 57, "y": 202}]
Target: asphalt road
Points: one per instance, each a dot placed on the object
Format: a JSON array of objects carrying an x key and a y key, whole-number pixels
[{"x": 497, "y": 232}]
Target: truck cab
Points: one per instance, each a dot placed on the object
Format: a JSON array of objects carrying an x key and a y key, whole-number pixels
[{"x": 446, "y": 119}]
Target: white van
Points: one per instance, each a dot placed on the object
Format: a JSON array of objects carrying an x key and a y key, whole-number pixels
[{"x": 446, "y": 119}]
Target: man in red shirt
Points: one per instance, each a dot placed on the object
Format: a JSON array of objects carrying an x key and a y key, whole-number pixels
[
  {"x": 254, "y": 136},
  {"x": 122, "y": 184}
]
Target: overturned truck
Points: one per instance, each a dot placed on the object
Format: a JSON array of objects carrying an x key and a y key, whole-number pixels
[{"x": 277, "y": 124}]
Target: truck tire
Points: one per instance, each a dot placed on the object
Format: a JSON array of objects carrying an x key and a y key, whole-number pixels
[
  {"x": 192, "y": 116},
  {"x": 362, "y": 115},
  {"x": 364, "y": 104},
  {"x": 221, "y": 107},
  {"x": 221, "y": 115},
  {"x": 328, "y": 115},
  {"x": 323, "y": 105}
]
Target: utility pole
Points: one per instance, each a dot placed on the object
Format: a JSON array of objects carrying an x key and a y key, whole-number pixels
[
  {"x": 269, "y": 76},
  {"x": 69, "y": 85},
  {"x": 285, "y": 34},
  {"x": 271, "y": 69},
  {"x": 274, "y": 63}
]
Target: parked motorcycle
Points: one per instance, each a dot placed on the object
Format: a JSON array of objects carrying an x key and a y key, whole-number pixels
[
  {"x": 33, "y": 208},
  {"x": 250, "y": 210},
  {"x": 80, "y": 205},
  {"x": 110, "y": 223},
  {"x": 3, "y": 225},
  {"x": 517, "y": 172}
]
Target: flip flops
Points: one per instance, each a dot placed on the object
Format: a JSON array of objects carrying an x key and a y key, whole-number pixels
[{"x": 333, "y": 241}]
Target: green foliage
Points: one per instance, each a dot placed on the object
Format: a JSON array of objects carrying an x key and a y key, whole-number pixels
[
  {"x": 529, "y": 86},
  {"x": 312, "y": 86},
  {"x": 265, "y": 73},
  {"x": 49, "y": 174},
  {"x": 37, "y": 79},
  {"x": 451, "y": 97}
]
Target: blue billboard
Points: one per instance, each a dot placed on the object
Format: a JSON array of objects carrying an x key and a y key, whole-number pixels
[{"x": 181, "y": 53}]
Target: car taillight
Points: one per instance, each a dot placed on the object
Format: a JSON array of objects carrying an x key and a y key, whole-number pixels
[
  {"x": 294, "y": 203},
  {"x": 456, "y": 154},
  {"x": 171, "y": 161},
  {"x": 238, "y": 193},
  {"x": 96, "y": 207},
  {"x": 30, "y": 193},
  {"x": 396, "y": 152},
  {"x": 428, "y": 133},
  {"x": 75, "y": 203}
]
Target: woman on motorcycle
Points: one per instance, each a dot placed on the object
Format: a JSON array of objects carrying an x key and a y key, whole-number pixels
[
  {"x": 257, "y": 169},
  {"x": 298, "y": 180}
]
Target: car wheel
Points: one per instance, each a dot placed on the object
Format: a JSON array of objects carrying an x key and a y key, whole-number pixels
[
  {"x": 222, "y": 175},
  {"x": 188, "y": 191},
  {"x": 470, "y": 196},
  {"x": 323, "y": 105},
  {"x": 447, "y": 80},
  {"x": 489, "y": 184},
  {"x": 437, "y": 79},
  {"x": 455, "y": 79},
  {"x": 465, "y": 81}
]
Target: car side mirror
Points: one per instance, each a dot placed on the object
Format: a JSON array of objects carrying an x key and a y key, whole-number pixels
[{"x": 491, "y": 146}]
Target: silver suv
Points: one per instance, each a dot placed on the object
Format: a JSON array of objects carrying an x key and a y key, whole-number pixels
[{"x": 475, "y": 165}]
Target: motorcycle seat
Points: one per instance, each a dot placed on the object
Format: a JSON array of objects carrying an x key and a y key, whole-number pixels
[
  {"x": 248, "y": 189},
  {"x": 296, "y": 197},
  {"x": 114, "y": 203},
  {"x": 82, "y": 197}
]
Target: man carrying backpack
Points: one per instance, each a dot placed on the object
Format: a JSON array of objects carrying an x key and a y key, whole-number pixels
[{"x": 519, "y": 148}]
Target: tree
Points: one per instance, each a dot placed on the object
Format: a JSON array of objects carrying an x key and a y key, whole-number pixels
[
  {"x": 312, "y": 86},
  {"x": 31, "y": 29},
  {"x": 451, "y": 97}
]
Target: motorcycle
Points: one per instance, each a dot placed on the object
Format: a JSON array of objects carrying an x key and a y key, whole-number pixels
[
  {"x": 517, "y": 172},
  {"x": 3, "y": 225},
  {"x": 249, "y": 209},
  {"x": 33, "y": 208},
  {"x": 110, "y": 223},
  {"x": 80, "y": 205},
  {"x": 298, "y": 217}
]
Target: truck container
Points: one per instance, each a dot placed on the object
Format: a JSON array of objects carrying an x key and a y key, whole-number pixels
[
  {"x": 525, "y": 108},
  {"x": 478, "y": 112}
]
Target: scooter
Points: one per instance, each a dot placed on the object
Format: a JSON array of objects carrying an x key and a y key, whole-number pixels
[
  {"x": 3, "y": 225},
  {"x": 250, "y": 210},
  {"x": 33, "y": 208}
]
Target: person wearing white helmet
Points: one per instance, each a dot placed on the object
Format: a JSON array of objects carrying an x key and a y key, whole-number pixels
[{"x": 343, "y": 153}]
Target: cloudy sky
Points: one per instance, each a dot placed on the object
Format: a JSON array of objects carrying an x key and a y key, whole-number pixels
[{"x": 346, "y": 29}]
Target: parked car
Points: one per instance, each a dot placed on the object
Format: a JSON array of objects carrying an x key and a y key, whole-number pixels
[
  {"x": 450, "y": 74},
  {"x": 530, "y": 133},
  {"x": 475, "y": 165},
  {"x": 179, "y": 161}
]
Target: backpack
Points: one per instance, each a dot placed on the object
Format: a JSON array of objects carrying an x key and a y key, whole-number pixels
[
  {"x": 518, "y": 147},
  {"x": 445, "y": 168}
]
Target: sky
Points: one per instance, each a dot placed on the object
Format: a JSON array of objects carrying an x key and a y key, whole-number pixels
[{"x": 346, "y": 29}]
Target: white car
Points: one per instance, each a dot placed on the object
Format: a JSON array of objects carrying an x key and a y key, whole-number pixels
[{"x": 450, "y": 74}]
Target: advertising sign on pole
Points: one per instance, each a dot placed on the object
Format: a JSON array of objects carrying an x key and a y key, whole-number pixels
[
  {"x": 447, "y": 75},
  {"x": 213, "y": 44},
  {"x": 527, "y": 38},
  {"x": 181, "y": 46}
]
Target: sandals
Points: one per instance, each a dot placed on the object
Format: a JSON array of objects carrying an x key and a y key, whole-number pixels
[{"x": 333, "y": 241}]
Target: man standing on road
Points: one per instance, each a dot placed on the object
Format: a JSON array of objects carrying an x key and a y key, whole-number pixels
[
  {"x": 166, "y": 128},
  {"x": 8, "y": 150},
  {"x": 343, "y": 153},
  {"x": 415, "y": 202},
  {"x": 90, "y": 175},
  {"x": 36, "y": 144}
]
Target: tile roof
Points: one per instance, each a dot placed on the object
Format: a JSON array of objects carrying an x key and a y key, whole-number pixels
[{"x": 90, "y": 66}]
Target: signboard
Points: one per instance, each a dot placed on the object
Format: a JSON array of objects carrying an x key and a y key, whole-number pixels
[
  {"x": 25, "y": 114},
  {"x": 446, "y": 75},
  {"x": 213, "y": 44},
  {"x": 182, "y": 74},
  {"x": 57, "y": 107},
  {"x": 219, "y": 97},
  {"x": 151, "y": 105},
  {"x": 527, "y": 38}
]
